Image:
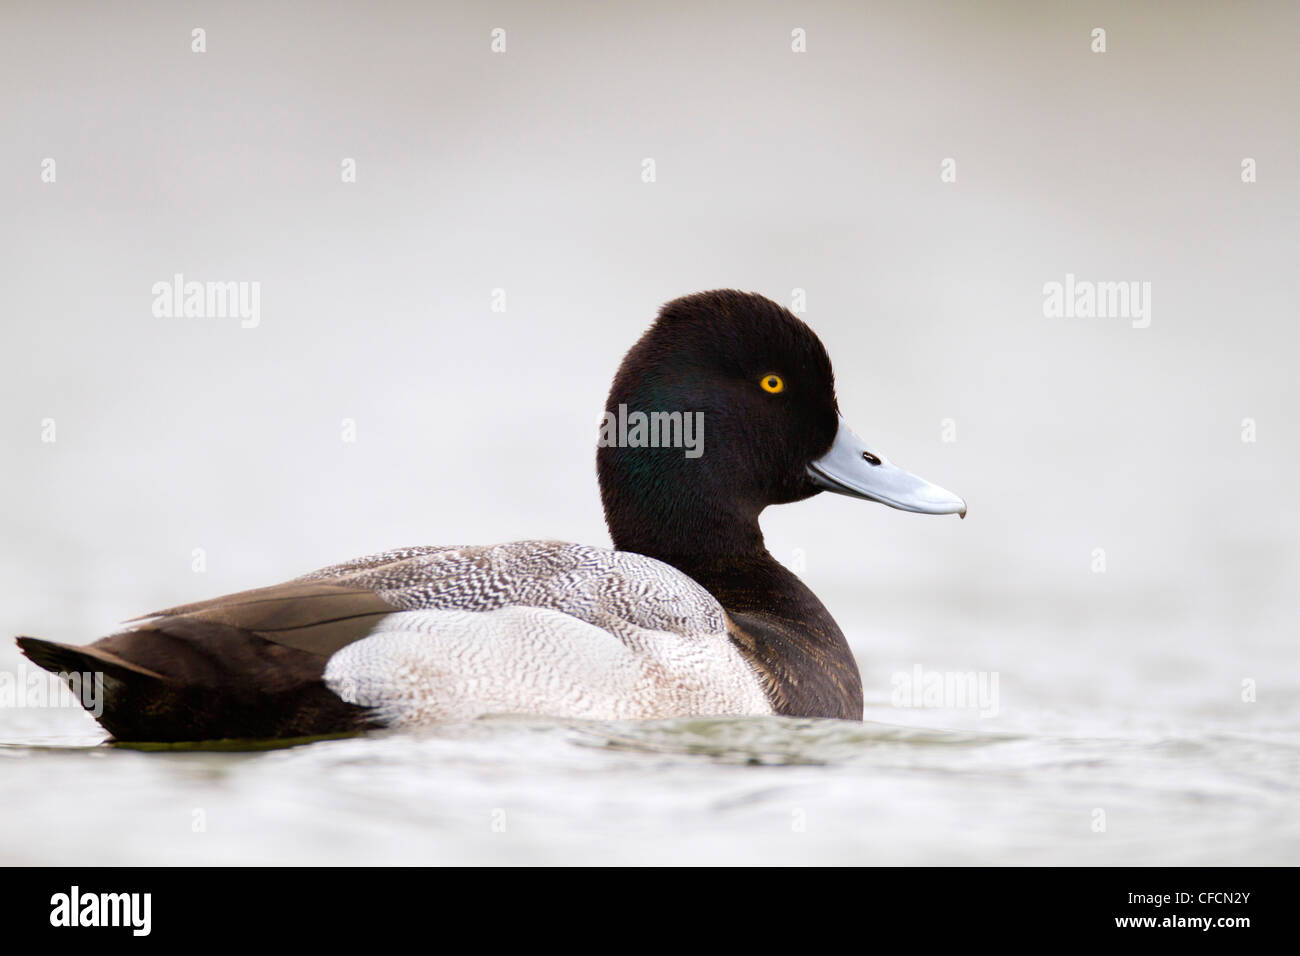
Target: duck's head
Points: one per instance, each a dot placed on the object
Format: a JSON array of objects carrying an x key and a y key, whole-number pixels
[{"x": 746, "y": 418}]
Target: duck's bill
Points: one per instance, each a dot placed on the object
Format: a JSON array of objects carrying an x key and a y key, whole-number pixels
[{"x": 852, "y": 468}]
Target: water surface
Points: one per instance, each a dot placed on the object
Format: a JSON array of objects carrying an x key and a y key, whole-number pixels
[{"x": 512, "y": 790}]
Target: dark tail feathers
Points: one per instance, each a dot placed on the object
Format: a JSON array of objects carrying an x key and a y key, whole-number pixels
[{"x": 69, "y": 659}]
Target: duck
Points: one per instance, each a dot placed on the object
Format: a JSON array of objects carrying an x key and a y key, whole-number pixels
[{"x": 686, "y": 615}]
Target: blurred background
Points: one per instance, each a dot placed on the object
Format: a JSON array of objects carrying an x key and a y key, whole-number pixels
[{"x": 518, "y": 177}]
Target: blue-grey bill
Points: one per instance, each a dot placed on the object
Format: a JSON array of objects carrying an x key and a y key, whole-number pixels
[{"x": 853, "y": 468}]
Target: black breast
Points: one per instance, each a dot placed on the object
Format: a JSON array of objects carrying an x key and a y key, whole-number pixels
[{"x": 789, "y": 637}]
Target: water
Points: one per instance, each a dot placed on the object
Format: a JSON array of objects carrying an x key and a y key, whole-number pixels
[{"x": 896, "y": 789}]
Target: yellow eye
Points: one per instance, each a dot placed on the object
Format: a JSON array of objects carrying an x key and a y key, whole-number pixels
[{"x": 772, "y": 383}]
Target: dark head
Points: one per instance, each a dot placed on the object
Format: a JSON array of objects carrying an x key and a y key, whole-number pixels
[{"x": 725, "y": 406}]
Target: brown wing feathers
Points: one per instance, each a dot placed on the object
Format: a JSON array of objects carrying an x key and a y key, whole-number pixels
[
  {"x": 314, "y": 616},
  {"x": 245, "y": 665}
]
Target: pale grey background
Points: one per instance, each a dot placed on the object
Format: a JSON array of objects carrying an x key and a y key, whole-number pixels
[{"x": 775, "y": 171}]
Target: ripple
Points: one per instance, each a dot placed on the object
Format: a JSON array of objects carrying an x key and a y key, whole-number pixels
[{"x": 773, "y": 740}]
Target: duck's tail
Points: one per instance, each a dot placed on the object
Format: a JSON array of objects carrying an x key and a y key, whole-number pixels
[
  {"x": 67, "y": 659},
  {"x": 196, "y": 681},
  {"x": 102, "y": 682}
]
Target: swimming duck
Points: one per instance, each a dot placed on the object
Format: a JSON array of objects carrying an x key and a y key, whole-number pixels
[{"x": 687, "y": 615}]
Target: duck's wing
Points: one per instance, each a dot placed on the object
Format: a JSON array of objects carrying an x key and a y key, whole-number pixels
[
  {"x": 596, "y": 585},
  {"x": 420, "y": 634},
  {"x": 540, "y": 627}
]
